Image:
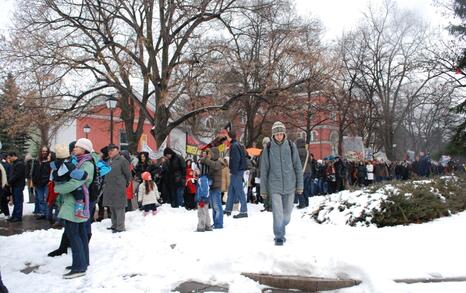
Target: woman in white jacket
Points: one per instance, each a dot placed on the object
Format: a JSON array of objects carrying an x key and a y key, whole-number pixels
[{"x": 148, "y": 194}]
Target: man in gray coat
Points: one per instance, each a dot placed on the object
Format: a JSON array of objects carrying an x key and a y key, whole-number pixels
[
  {"x": 115, "y": 188},
  {"x": 281, "y": 178}
]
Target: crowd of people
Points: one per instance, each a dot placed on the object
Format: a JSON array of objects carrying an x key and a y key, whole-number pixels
[{"x": 74, "y": 185}]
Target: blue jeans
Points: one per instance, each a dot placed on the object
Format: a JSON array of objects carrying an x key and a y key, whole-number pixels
[
  {"x": 308, "y": 188},
  {"x": 77, "y": 235},
  {"x": 18, "y": 199},
  {"x": 282, "y": 205},
  {"x": 236, "y": 191},
  {"x": 41, "y": 199},
  {"x": 217, "y": 209},
  {"x": 180, "y": 196},
  {"x": 323, "y": 186}
]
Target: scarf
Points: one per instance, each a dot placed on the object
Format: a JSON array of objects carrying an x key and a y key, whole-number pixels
[{"x": 81, "y": 160}]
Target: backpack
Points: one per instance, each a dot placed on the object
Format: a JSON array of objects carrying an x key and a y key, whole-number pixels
[
  {"x": 96, "y": 187},
  {"x": 291, "y": 148}
]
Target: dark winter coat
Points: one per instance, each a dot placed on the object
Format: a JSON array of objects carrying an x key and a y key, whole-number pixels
[
  {"x": 115, "y": 183},
  {"x": 362, "y": 172},
  {"x": 143, "y": 167},
  {"x": 17, "y": 174},
  {"x": 40, "y": 173},
  {"x": 340, "y": 169},
  {"x": 321, "y": 172},
  {"x": 235, "y": 157},
  {"x": 176, "y": 169},
  {"x": 424, "y": 166}
]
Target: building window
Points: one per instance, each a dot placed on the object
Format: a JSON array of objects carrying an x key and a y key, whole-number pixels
[
  {"x": 314, "y": 135},
  {"x": 333, "y": 116},
  {"x": 334, "y": 142},
  {"x": 209, "y": 122},
  {"x": 123, "y": 140},
  {"x": 302, "y": 135}
]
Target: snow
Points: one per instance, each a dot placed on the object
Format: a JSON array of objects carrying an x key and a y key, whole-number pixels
[
  {"x": 157, "y": 253},
  {"x": 343, "y": 207},
  {"x": 356, "y": 207}
]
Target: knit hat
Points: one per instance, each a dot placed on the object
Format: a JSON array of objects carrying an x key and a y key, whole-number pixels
[
  {"x": 71, "y": 146},
  {"x": 61, "y": 151},
  {"x": 146, "y": 176},
  {"x": 85, "y": 144},
  {"x": 278, "y": 127}
]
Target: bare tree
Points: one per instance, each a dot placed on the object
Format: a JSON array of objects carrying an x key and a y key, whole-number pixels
[
  {"x": 393, "y": 43},
  {"x": 260, "y": 59},
  {"x": 128, "y": 49}
]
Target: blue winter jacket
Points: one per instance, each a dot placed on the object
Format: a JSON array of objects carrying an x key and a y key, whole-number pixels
[{"x": 202, "y": 191}]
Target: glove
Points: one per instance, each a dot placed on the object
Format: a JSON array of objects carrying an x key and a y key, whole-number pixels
[{"x": 201, "y": 204}]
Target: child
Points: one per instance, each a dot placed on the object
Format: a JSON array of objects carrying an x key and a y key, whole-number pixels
[
  {"x": 190, "y": 190},
  {"x": 202, "y": 198},
  {"x": 63, "y": 170},
  {"x": 148, "y": 194}
]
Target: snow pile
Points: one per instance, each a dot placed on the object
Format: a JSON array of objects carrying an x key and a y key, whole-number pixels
[
  {"x": 348, "y": 208},
  {"x": 355, "y": 208}
]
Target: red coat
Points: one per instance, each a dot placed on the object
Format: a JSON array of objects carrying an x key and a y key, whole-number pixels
[
  {"x": 129, "y": 189},
  {"x": 52, "y": 195},
  {"x": 190, "y": 181}
]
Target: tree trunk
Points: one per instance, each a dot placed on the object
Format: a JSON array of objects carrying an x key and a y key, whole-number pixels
[
  {"x": 161, "y": 128},
  {"x": 388, "y": 141},
  {"x": 44, "y": 135}
]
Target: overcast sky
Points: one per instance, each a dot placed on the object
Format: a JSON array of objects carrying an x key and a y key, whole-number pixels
[{"x": 336, "y": 15}]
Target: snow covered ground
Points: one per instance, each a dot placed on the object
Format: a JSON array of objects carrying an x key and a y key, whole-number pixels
[{"x": 159, "y": 252}]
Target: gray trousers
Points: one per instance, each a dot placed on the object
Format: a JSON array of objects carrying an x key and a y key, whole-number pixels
[
  {"x": 203, "y": 217},
  {"x": 118, "y": 218}
]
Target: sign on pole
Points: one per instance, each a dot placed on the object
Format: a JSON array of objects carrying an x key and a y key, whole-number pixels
[{"x": 353, "y": 148}]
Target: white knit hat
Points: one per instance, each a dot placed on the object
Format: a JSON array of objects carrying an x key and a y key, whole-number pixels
[
  {"x": 62, "y": 151},
  {"x": 85, "y": 144},
  {"x": 278, "y": 127}
]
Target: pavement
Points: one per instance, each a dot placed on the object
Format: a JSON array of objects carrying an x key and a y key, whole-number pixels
[{"x": 29, "y": 223}]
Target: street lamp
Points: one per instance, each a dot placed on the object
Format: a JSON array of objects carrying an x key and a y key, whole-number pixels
[
  {"x": 86, "y": 129},
  {"x": 111, "y": 103}
]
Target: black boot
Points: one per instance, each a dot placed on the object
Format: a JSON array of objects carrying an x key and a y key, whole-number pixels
[
  {"x": 63, "y": 248},
  {"x": 301, "y": 201}
]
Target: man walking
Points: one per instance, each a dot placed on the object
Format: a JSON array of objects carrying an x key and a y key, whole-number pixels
[
  {"x": 281, "y": 178},
  {"x": 115, "y": 184},
  {"x": 237, "y": 166}
]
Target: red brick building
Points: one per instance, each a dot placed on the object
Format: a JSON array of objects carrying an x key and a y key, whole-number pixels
[{"x": 98, "y": 120}]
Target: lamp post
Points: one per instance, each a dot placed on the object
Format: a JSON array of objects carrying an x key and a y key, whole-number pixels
[
  {"x": 86, "y": 129},
  {"x": 111, "y": 103}
]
